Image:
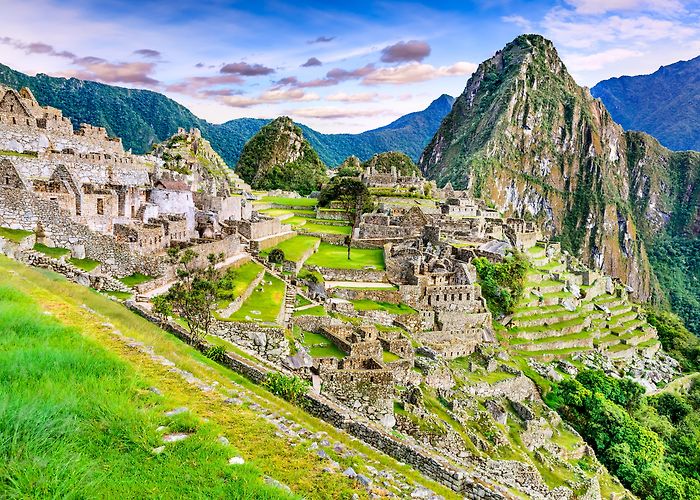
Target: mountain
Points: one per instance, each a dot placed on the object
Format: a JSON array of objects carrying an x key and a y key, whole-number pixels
[
  {"x": 279, "y": 157},
  {"x": 525, "y": 136},
  {"x": 664, "y": 104},
  {"x": 384, "y": 162},
  {"x": 142, "y": 118}
]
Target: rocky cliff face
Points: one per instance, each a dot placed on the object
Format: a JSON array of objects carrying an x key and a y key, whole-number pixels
[
  {"x": 279, "y": 157},
  {"x": 526, "y": 136}
]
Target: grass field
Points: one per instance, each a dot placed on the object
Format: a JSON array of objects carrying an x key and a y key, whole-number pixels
[
  {"x": 336, "y": 257},
  {"x": 314, "y": 227},
  {"x": 319, "y": 346},
  {"x": 64, "y": 432},
  {"x": 85, "y": 264},
  {"x": 372, "y": 305},
  {"x": 289, "y": 202},
  {"x": 243, "y": 276},
  {"x": 135, "y": 279},
  {"x": 264, "y": 303},
  {"x": 275, "y": 212},
  {"x": 254, "y": 437},
  {"x": 55, "y": 252},
  {"x": 294, "y": 248},
  {"x": 15, "y": 235}
]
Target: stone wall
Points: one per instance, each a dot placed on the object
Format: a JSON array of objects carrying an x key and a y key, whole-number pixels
[
  {"x": 22, "y": 210},
  {"x": 268, "y": 343},
  {"x": 370, "y": 275},
  {"x": 389, "y": 295}
]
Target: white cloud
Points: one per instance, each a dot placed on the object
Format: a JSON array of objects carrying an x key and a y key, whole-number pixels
[
  {"x": 330, "y": 113},
  {"x": 604, "y": 6},
  {"x": 416, "y": 72},
  {"x": 519, "y": 21},
  {"x": 361, "y": 97},
  {"x": 599, "y": 60}
]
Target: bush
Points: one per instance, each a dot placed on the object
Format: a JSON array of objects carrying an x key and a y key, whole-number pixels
[
  {"x": 502, "y": 283},
  {"x": 293, "y": 389},
  {"x": 276, "y": 256},
  {"x": 676, "y": 339},
  {"x": 216, "y": 353}
]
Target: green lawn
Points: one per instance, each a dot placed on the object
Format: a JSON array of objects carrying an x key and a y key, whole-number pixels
[
  {"x": 314, "y": 227},
  {"x": 311, "y": 311},
  {"x": 294, "y": 248},
  {"x": 275, "y": 212},
  {"x": 242, "y": 277},
  {"x": 336, "y": 257},
  {"x": 85, "y": 264},
  {"x": 78, "y": 422},
  {"x": 289, "y": 202},
  {"x": 389, "y": 357},
  {"x": 319, "y": 346},
  {"x": 15, "y": 235},
  {"x": 117, "y": 294},
  {"x": 55, "y": 252},
  {"x": 264, "y": 303},
  {"x": 372, "y": 305},
  {"x": 135, "y": 279}
]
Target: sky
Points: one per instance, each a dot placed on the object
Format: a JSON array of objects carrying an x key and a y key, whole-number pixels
[{"x": 335, "y": 66}]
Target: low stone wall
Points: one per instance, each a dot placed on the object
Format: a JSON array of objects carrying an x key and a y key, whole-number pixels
[
  {"x": 389, "y": 295},
  {"x": 369, "y": 275},
  {"x": 268, "y": 343},
  {"x": 74, "y": 274}
]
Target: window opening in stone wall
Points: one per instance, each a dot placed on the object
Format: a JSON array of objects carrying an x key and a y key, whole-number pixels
[{"x": 100, "y": 206}]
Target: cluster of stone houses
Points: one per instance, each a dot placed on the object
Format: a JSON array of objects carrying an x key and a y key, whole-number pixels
[{"x": 75, "y": 187}]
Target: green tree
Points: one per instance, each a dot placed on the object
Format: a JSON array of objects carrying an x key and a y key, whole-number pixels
[
  {"x": 193, "y": 297},
  {"x": 354, "y": 198}
]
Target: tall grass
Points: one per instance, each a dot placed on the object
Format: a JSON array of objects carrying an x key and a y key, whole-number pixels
[{"x": 77, "y": 422}]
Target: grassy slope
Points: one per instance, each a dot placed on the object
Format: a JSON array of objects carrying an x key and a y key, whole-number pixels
[
  {"x": 67, "y": 432},
  {"x": 294, "y": 248},
  {"x": 254, "y": 437},
  {"x": 266, "y": 302}
]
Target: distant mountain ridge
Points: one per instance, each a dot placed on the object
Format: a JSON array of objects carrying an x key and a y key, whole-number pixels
[
  {"x": 144, "y": 117},
  {"x": 665, "y": 104}
]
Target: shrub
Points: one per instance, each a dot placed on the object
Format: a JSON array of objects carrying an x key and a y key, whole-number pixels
[
  {"x": 216, "y": 353},
  {"x": 291, "y": 388},
  {"x": 276, "y": 256},
  {"x": 502, "y": 283}
]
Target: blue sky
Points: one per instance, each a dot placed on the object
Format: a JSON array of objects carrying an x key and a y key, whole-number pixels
[{"x": 336, "y": 66}]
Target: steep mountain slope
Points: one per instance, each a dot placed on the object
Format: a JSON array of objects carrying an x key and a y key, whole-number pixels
[
  {"x": 664, "y": 104},
  {"x": 279, "y": 157},
  {"x": 526, "y": 136},
  {"x": 142, "y": 118}
]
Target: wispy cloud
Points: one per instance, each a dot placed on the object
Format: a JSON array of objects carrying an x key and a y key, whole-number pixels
[
  {"x": 416, "y": 72},
  {"x": 149, "y": 53},
  {"x": 321, "y": 39},
  {"x": 327, "y": 113}
]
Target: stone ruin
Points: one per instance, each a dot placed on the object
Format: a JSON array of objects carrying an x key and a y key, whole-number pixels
[{"x": 89, "y": 195}]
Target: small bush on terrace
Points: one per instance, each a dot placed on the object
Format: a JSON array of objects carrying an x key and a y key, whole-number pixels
[
  {"x": 291, "y": 388},
  {"x": 502, "y": 283}
]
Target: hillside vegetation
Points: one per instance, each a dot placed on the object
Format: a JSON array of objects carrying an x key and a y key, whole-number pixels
[{"x": 279, "y": 157}]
